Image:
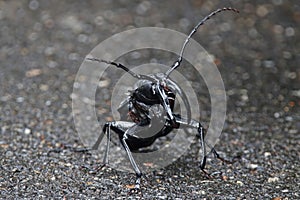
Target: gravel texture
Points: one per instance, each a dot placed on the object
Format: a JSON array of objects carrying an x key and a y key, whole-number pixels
[{"x": 258, "y": 54}]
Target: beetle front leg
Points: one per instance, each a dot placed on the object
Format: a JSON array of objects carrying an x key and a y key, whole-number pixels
[
  {"x": 166, "y": 104},
  {"x": 118, "y": 127}
]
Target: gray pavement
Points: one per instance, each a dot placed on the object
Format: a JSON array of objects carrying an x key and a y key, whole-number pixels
[{"x": 43, "y": 43}]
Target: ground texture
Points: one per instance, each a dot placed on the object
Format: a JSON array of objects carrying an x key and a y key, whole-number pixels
[{"x": 42, "y": 45}]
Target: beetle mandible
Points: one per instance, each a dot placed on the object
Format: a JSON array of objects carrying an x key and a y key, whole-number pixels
[{"x": 157, "y": 89}]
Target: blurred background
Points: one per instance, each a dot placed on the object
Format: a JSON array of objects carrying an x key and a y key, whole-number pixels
[{"x": 43, "y": 44}]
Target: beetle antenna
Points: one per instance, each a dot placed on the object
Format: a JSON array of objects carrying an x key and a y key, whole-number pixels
[
  {"x": 119, "y": 65},
  {"x": 178, "y": 62},
  {"x": 110, "y": 63}
]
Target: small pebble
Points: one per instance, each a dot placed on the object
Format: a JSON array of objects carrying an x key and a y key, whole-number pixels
[
  {"x": 225, "y": 178},
  {"x": 289, "y": 118},
  {"x": 276, "y": 115},
  {"x": 9, "y": 154},
  {"x": 20, "y": 99},
  {"x": 267, "y": 154},
  {"x": 269, "y": 63},
  {"x": 103, "y": 83},
  {"x": 240, "y": 183},
  {"x": 143, "y": 7},
  {"x": 99, "y": 20},
  {"x": 44, "y": 87},
  {"x": 262, "y": 11},
  {"x": 34, "y": 5},
  {"x": 289, "y": 32},
  {"x": 277, "y": 2},
  {"x": 252, "y": 166},
  {"x": 27, "y": 131},
  {"x": 273, "y": 179},
  {"x": 48, "y": 103},
  {"x": 33, "y": 72}
]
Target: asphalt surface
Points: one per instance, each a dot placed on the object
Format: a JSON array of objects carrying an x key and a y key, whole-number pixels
[{"x": 43, "y": 43}]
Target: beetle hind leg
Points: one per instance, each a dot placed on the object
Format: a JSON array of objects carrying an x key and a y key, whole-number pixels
[
  {"x": 217, "y": 155},
  {"x": 184, "y": 123},
  {"x": 105, "y": 130},
  {"x": 203, "y": 160}
]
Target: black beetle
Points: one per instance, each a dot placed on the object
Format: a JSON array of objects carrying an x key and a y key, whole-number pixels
[{"x": 150, "y": 103}]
